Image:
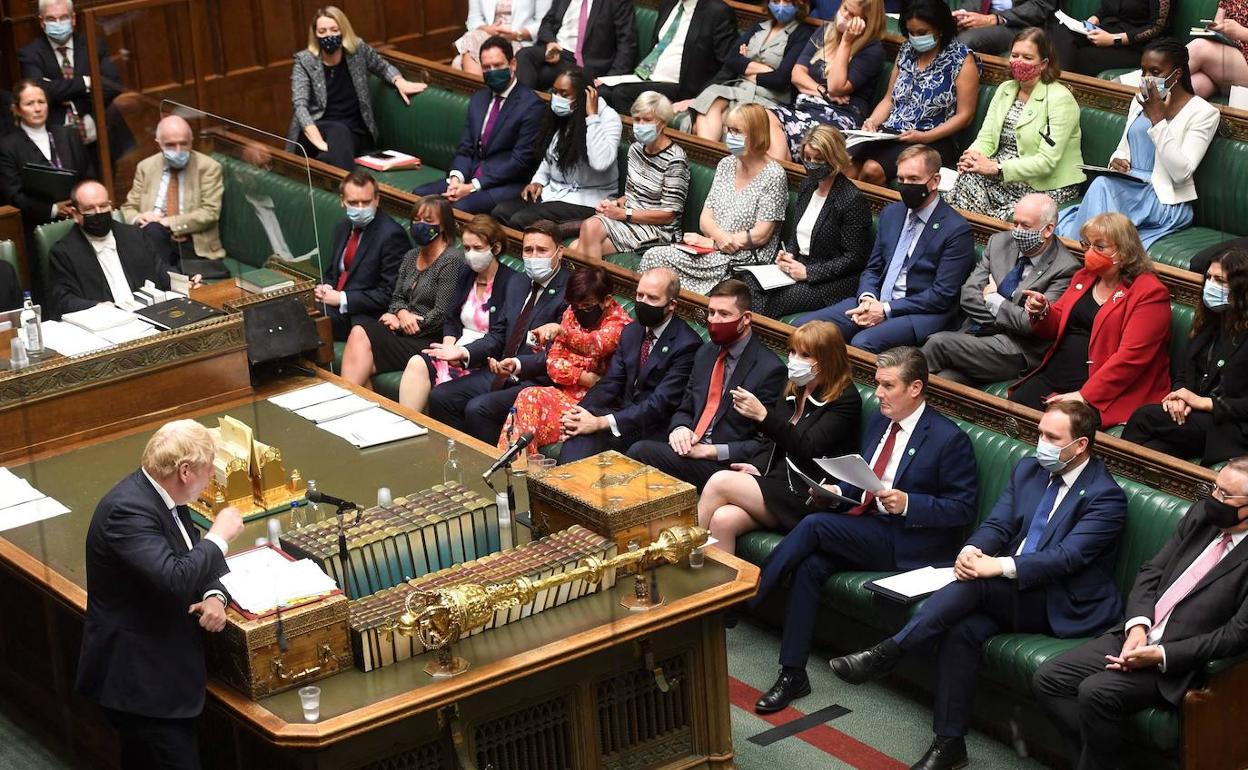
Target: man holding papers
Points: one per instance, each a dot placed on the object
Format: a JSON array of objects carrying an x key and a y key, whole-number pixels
[
  {"x": 1042, "y": 563},
  {"x": 926, "y": 498}
]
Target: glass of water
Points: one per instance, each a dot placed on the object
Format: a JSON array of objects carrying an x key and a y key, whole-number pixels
[
  {"x": 384, "y": 498},
  {"x": 310, "y": 697},
  {"x": 697, "y": 557}
]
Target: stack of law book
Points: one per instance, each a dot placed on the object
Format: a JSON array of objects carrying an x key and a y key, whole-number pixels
[
  {"x": 375, "y": 645},
  {"x": 416, "y": 534}
]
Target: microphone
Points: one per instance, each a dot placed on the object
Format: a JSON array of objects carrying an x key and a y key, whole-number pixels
[
  {"x": 510, "y": 454},
  {"x": 317, "y": 496}
]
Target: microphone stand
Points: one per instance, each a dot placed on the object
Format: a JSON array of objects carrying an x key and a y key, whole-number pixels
[{"x": 348, "y": 569}]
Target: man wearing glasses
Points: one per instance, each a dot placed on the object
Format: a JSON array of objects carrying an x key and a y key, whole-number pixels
[{"x": 1186, "y": 608}]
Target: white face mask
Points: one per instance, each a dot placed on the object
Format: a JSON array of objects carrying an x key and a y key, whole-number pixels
[
  {"x": 478, "y": 260},
  {"x": 801, "y": 372}
]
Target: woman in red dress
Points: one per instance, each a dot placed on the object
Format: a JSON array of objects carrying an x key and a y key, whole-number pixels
[{"x": 581, "y": 345}]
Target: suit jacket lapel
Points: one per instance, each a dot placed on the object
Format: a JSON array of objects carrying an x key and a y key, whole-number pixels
[
  {"x": 1229, "y": 562},
  {"x": 1068, "y": 504},
  {"x": 913, "y": 446},
  {"x": 1042, "y": 264},
  {"x": 657, "y": 349},
  {"x": 928, "y": 234}
]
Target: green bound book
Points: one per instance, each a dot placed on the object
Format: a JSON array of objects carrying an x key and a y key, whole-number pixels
[{"x": 262, "y": 281}]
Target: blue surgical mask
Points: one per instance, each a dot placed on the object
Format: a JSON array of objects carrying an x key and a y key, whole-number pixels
[
  {"x": 560, "y": 105},
  {"x": 497, "y": 80},
  {"x": 177, "y": 158},
  {"x": 735, "y": 144},
  {"x": 60, "y": 31},
  {"x": 538, "y": 269},
  {"x": 1158, "y": 81},
  {"x": 1216, "y": 296},
  {"x": 782, "y": 12},
  {"x": 1050, "y": 456},
  {"x": 923, "y": 43},
  {"x": 361, "y": 216},
  {"x": 423, "y": 233},
  {"x": 645, "y": 133}
]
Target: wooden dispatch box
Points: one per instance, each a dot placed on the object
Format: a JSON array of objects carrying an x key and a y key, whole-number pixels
[
  {"x": 613, "y": 495},
  {"x": 318, "y": 644}
]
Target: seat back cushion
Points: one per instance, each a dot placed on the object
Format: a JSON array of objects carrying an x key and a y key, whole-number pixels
[
  {"x": 1223, "y": 201},
  {"x": 400, "y": 127}
]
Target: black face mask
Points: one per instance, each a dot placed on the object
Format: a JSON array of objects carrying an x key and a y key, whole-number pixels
[
  {"x": 97, "y": 225},
  {"x": 817, "y": 169},
  {"x": 588, "y": 317},
  {"x": 330, "y": 43},
  {"x": 649, "y": 315},
  {"x": 914, "y": 194},
  {"x": 1221, "y": 515}
]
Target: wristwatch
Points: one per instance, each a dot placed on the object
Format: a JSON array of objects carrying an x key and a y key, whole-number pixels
[
  {"x": 1120, "y": 41},
  {"x": 628, "y": 215}
]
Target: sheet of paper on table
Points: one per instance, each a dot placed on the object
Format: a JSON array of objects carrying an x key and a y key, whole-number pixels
[
  {"x": 70, "y": 340},
  {"x": 332, "y": 410},
  {"x": 105, "y": 315},
  {"x": 29, "y": 512},
  {"x": 305, "y": 397},
  {"x": 15, "y": 490},
  {"x": 372, "y": 427},
  {"x": 262, "y": 584},
  {"x": 135, "y": 330}
]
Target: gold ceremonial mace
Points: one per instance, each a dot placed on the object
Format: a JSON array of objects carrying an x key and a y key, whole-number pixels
[{"x": 442, "y": 618}]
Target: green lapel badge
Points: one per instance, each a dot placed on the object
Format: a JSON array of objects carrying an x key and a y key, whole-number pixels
[
  {"x": 911, "y": 452},
  {"x": 664, "y": 350},
  {"x": 1221, "y": 362}
]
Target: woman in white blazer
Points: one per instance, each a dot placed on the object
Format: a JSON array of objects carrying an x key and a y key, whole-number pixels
[
  {"x": 1169, "y": 129},
  {"x": 515, "y": 20}
]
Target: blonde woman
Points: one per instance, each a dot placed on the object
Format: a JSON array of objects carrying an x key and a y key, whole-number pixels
[
  {"x": 834, "y": 78},
  {"x": 333, "y": 119}
]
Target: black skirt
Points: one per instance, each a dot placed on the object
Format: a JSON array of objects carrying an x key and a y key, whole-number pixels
[
  {"x": 783, "y": 503},
  {"x": 392, "y": 350}
]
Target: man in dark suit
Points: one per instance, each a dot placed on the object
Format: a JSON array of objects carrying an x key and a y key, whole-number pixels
[
  {"x": 690, "y": 43},
  {"x": 1042, "y": 563},
  {"x": 1189, "y": 606},
  {"x": 10, "y": 288},
  {"x": 646, "y": 381},
  {"x": 927, "y": 468},
  {"x": 58, "y": 60},
  {"x": 603, "y": 44},
  {"x": 923, "y": 253},
  {"x": 153, "y": 588},
  {"x": 506, "y": 358},
  {"x": 706, "y": 434},
  {"x": 498, "y": 151},
  {"x": 368, "y": 249},
  {"x": 100, "y": 260}
]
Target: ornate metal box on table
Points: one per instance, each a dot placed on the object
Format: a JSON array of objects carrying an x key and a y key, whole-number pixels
[
  {"x": 614, "y": 496},
  {"x": 246, "y": 653}
]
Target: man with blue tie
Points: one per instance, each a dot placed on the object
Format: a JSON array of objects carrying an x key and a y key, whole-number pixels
[
  {"x": 923, "y": 253},
  {"x": 1042, "y": 563},
  {"x": 646, "y": 380},
  {"x": 498, "y": 152},
  {"x": 927, "y": 467}
]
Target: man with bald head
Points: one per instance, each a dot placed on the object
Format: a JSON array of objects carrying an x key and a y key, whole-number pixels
[
  {"x": 995, "y": 341},
  {"x": 100, "y": 260},
  {"x": 176, "y": 198}
]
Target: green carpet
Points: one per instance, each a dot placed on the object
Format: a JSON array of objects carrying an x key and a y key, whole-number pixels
[{"x": 25, "y": 747}]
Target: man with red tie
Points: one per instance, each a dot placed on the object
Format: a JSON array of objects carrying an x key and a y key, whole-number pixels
[
  {"x": 368, "y": 249},
  {"x": 1188, "y": 607},
  {"x": 706, "y": 434},
  {"x": 927, "y": 467}
]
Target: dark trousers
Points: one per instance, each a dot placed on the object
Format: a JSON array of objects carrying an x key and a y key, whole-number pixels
[
  {"x": 820, "y": 544},
  {"x": 661, "y": 455},
  {"x": 470, "y": 405},
  {"x": 152, "y": 743},
  {"x": 344, "y": 144},
  {"x": 1150, "y": 426},
  {"x": 519, "y": 213},
  {"x": 481, "y": 202},
  {"x": 891, "y": 333},
  {"x": 533, "y": 70},
  {"x": 621, "y": 97},
  {"x": 580, "y": 447},
  {"x": 341, "y": 324},
  {"x": 171, "y": 252},
  {"x": 1076, "y": 54},
  {"x": 1089, "y": 703},
  {"x": 959, "y": 619}
]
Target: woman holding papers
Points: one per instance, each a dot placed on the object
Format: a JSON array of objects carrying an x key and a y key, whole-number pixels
[
  {"x": 1112, "y": 38},
  {"x": 1029, "y": 140},
  {"x": 1217, "y": 66},
  {"x": 931, "y": 97},
  {"x": 828, "y": 238},
  {"x": 420, "y": 303},
  {"x": 834, "y": 77},
  {"x": 37, "y": 143},
  {"x": 818, "y": 416},
  {"x": 1168, "y": 131}
]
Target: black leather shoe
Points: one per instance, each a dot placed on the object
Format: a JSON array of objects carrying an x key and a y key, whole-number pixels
[
  {"x": 788, "y": 688},
  {"x": 873, "y": 663},
  {"x": 944, "y": 754}
]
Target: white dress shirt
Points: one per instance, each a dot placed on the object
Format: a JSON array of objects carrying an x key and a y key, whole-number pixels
[
  {"x": 1069, "y": 477},
  {"x": 41, "y": 139},
  {"x": 657, "y": 332},
  {"x": 806, "y": 225},
  {"x": 211, "y": 537},
  {"x": 905, "y": 431},
  {"x": 667, "y": 68},
  {"x": 110, "y": 262},
  {"x": 567, "y": 37}
]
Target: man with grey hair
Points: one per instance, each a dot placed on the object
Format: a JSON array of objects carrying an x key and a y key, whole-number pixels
[
  {"x": 58, "y": 61},
  {"x": 153, "y": 590},
  {"x": 996, "y": 342},
  {"x": 646, "y": 381},
  {"x": 176, "y": 200}
]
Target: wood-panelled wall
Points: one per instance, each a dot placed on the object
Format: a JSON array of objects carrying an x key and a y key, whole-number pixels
[{"x": 245, "y": 46}]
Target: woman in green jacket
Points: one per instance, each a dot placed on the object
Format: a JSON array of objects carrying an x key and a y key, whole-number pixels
[{"x": 1029, "y": 141}]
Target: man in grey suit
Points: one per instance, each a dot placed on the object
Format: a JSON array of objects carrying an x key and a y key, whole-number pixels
[
  {"x": 989, "y": 26},
  {"x": 995, "y": 342}
]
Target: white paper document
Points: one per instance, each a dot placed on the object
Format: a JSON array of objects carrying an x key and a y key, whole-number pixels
[
  {"x": 135, "y": 330},
  {"x": 1133, "y": 78},
  {"x": 1239, "y": 97},
  {"x": 1070, "y": 22},
  {"x": 372, "y": 427},
  {"x": 15, "y": 490},
  {"x": 615, "y": 80},
  {"x": 855, "y": 137},
  {"x": 851, "y": 469},
  {"x": 821, "y": 494},
  {"x": 261, "y": 584},
  {"x": 69, "y": 340},
  {"x": 916, "y": 583},
  {"x": 30, "y": 512},
  {"x": 332, "y": 410},
  {"x": 102, "y": 316},
  {"x": 948, "y": 178},
  {"x": 768, "y": 276},
  {"x": 305, "y": 397}
]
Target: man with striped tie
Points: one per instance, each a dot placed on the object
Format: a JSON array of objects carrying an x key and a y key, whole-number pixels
[
  {"x": 1041, "y": 563},
  {"x": 1187, "y": 608}
]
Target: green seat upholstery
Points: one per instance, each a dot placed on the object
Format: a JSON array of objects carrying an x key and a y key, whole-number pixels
[
  {"x": 645, "y": 19},
  {"x": 401, "y": 127},
  {"x": 1081, "y": 9},
  {"x": 1101, "y": 131}
]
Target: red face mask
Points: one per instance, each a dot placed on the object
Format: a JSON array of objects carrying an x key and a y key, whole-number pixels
[
  {"x": 724, "y": 333},
  {"x": 1022, "y": 70},
  {"x": 1097, "y": 261}
]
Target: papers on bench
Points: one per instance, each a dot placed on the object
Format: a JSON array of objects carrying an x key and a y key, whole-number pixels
[
  {"x": 615, "y": 80},
  {"x": 22, "y": 504},
  {"x": 909, "y": 587},
  {"x": 261, "y": 579},
  {"x": 768, "y": 276},
  {"x": 304, "y": 397},
  {"x": 373, "y": 427},
  {"x": 851, "y": 469},
  {"x": 854, "y": 137}
]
